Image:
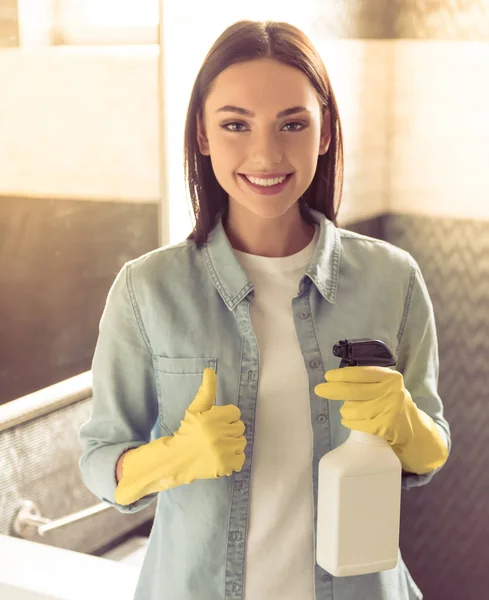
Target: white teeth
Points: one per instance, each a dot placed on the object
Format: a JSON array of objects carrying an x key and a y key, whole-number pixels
[{"x": 266, "y": 182}]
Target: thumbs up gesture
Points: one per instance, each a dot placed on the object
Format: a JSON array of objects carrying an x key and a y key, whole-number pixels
[
  {"x": 210, "y": 443},
  {"x": 210, "y": 440}
]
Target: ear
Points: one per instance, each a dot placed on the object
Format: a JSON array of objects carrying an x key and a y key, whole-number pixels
[
  {"x": 201, "y": 136},
  {"x": 325, "y": 133}
]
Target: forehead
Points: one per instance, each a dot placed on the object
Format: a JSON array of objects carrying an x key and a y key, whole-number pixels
[{"x": 256, "y": 82}]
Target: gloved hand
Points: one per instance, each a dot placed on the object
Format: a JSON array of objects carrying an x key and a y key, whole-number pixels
[
  {"x": 209, "y": 444},
  {"x": 377, "y": 402}
]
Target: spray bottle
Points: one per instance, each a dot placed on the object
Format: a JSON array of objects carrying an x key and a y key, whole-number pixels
[{"x": 359, "y": 493}]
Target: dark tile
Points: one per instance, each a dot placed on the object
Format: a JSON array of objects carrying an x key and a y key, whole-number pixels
[{"x": 58, "y": 259}]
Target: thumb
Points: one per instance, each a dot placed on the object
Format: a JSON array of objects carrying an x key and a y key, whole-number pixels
[{"x": 206, "y": 395}]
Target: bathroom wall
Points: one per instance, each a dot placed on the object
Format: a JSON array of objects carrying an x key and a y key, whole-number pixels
[
  {"x": 435, "y": 101},
  {"x": 79, "y": 194},
  {"x": 9, "y": 31},
  {"x": 39, "y": 457}
]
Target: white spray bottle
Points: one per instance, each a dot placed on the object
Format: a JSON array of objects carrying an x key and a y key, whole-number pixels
[{"x": 359, "y": 489}]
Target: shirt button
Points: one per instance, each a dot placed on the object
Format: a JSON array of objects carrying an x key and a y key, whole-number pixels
[
  {"x": 326, "y": 577},
  {"x": 322, "y": 419},
  {"x": 314, "y": 364},
  {"x": 304, "y": 315}
]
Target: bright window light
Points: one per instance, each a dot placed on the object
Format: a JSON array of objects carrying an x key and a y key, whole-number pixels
[
  {"x": 118, "y": 13},
  {"x": 85, "y": 22}
]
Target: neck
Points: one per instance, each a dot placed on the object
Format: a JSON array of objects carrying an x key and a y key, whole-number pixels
[{"x": 273, "y": 237}]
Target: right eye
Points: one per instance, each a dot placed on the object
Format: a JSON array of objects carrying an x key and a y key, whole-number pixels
[{"x": 225, "y": 127}]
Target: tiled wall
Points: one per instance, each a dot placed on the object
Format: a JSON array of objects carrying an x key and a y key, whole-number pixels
[
  {"x": 79, "y": 192},
  {"x": 58, "y": 259},
  {"x": 424, "y": 99},
  {"x": 445, "y": 525},
  {"x": 40, "y": 463}
]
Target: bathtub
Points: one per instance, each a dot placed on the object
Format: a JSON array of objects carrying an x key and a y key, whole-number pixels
[{"x": 33, "y": 571}]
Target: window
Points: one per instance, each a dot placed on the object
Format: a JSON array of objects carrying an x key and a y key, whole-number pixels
[{"x": 88, "y": 22}]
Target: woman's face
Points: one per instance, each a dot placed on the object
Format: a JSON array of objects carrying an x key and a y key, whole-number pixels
[{"x": 241, "y": 144}]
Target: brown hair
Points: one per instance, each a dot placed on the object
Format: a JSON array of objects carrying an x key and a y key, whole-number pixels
[{"x": 251, "y": 40}]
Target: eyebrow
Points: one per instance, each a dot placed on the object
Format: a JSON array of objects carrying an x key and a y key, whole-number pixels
[{"x": 249, "y": 113}]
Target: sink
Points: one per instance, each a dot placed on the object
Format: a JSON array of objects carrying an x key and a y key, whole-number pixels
[{"x": 33, "y": 571}]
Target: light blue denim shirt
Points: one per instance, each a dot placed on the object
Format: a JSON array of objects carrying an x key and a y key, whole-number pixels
[{"x": 176, "y": 310}]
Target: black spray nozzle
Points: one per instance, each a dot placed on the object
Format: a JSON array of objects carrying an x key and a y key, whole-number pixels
[{"x": 363, "y": 352}]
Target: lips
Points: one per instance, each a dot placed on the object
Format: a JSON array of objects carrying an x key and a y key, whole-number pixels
[{"x": 267, "y": 190}]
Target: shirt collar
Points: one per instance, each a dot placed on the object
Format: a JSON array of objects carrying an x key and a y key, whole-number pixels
[{"x": 232, "y": 282}]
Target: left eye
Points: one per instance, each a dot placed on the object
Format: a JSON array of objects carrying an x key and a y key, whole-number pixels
[{"x": 295, "y": 123}]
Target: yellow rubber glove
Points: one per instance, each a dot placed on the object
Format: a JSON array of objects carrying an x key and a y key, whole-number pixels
[
  {"x": 377, "y": 402},
  {"x": 209, "y": 444}
]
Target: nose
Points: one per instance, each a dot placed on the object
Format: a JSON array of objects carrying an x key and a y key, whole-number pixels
[{"x": 266, "y": 149}]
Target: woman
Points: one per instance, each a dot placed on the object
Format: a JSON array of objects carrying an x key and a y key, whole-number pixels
[{"x": 215, "y": 348}]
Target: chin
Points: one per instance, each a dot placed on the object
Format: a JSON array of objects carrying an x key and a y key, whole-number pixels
[{"x": 265, "y": 207}]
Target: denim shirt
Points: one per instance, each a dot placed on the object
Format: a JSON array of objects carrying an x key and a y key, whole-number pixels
[{"x": 177, "y": 310}]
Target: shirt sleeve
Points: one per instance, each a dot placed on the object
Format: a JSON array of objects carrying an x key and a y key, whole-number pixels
[
  {"x": 418, "y": 361},
  {"x": 124, "y": 404}
]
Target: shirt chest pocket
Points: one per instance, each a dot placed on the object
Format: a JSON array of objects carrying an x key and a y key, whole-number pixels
[{"x": 178, "y": 381}]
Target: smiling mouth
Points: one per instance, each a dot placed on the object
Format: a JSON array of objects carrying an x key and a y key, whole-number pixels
[{"x": 267, "y": 190}]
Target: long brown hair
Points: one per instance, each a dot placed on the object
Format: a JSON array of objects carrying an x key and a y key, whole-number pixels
[{"x": 251, "y": 40}]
